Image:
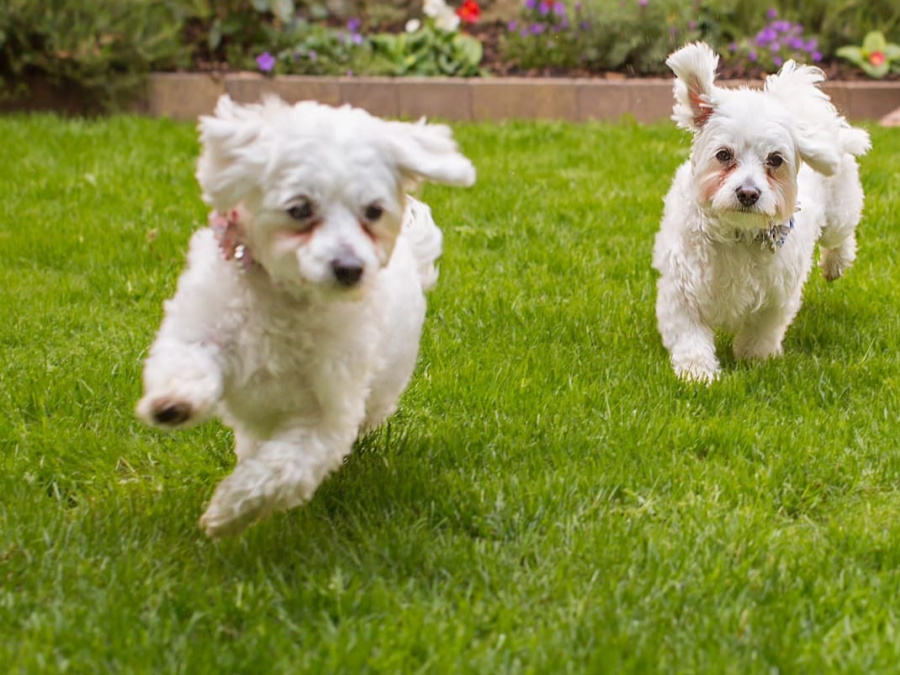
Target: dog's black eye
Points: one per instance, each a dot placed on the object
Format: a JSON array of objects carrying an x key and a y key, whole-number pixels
[
  {"x": 775, "y": 160},
  {"x": 724, "y": 155},
  {"x": 301, "y": 211},
  {"x": 374, "y": 212}
]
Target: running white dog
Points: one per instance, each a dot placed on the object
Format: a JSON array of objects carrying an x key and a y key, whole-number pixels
[
  {"x": 771, "y": 173},
  {"x": 298, "y": 318}
]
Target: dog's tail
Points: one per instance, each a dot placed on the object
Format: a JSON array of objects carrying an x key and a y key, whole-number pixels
[{"x": 424, "y": 238}]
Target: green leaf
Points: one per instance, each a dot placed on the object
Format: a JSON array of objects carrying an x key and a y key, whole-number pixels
[
  {"x": 214, "y": 37},
  {"x": 874, "y": 42}
]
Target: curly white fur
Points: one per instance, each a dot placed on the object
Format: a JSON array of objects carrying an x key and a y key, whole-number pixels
[
  {"x": 759, "y": 159},
  {"x": 318, "y": 338}
]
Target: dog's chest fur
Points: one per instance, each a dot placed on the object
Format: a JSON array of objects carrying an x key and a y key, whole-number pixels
[
  {"x": 738, "y": 279},
  {"x": 291, "y": 359}
]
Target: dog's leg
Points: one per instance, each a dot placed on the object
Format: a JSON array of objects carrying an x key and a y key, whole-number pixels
[
  {"x": 182, "y": 384},
  {"x": 281, "y": 474},
  {"x": 762, "y": 334},
  {"x": 691, "y": 344},
  {"x": 843, "y": 210},
  {"x": 837, "y": 260}
]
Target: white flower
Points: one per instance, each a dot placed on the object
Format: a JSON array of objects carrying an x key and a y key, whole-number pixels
[
  {"x": 433, "y": 8},
  {"x": 447, "y": 21},
  {"x": 444, "y": 17},
  {"x": 413, "y": 25}
]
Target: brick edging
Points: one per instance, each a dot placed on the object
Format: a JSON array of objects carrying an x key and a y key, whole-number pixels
[{"x": 186, "y": 95}]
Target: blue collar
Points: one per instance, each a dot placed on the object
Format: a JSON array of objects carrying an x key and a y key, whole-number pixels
[{"x": 774, "y": 238}]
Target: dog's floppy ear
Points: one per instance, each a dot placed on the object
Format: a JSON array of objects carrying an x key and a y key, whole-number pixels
[
  {"x": 817, "y": 148},
  {"x": 428, "y": 151},
  {"x": 818, "y": 128},
  {"x": 694, "y": 66},
  {"x": 230, "y": 163}
]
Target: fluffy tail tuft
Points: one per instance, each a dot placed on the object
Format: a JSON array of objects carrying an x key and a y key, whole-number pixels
[{"x": 424, "y": 238}]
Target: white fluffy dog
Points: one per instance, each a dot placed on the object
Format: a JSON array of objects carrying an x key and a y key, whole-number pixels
[
  {"x": 771, "y": 173},
  {"x": 297, "y": 321}
]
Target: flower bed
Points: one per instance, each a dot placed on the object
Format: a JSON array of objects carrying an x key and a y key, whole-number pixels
[{"x": 104, "y": 49}]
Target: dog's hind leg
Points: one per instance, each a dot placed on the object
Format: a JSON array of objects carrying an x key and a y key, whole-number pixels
[{"x": 843, "y": 209}]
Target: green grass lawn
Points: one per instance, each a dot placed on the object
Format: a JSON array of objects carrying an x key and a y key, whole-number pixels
[{"x": 549, "y": 499}]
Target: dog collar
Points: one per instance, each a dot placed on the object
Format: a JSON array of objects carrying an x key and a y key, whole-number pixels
[
  {"x": 227, "y": 228},
  {"x": 774, "y": 238}
]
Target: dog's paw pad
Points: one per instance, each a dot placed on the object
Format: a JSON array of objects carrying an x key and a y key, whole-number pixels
[
  {"x": 166, "y": 412},
  {"x": 171, "y": 414}
]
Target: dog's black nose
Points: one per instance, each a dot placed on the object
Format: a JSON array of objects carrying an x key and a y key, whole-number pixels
[
  {"x": 747, "y": 195},
  {"x": 348, "y": 270}
]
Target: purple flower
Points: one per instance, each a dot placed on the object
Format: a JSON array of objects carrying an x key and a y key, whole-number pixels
[
  {"x": 772, "y": 13},
  {"x": 544, "y": 9},
  {"x": 782, "y": 26},
  {"x": 353, "y": 25},
  {"x": 564, "y": 24},
  {"x": 537, "y": 28},
  {"x": 796, "y": 43},
  {"x": 643, "y": 3},
  {"x": 751, "y": 55},
  {"x": 524, "y": 32},
  {"x": 511, "y": 26},
  {"x": 313, "y": 55},
  {"x": 265, "y": 61},
  {"x": 357, "y": 39},
  {"x": 585, "y": 25},
  {"x": 765, "y": 36},
  {"x": 776, "y": 46},
  {"x": 777, "y": 60},
  {"x": 733, "y": 47},
  {"x": 816, "y": 56},
  {"x": 811, "y": 45},
  {"x": 530, "y": 4},
  {"x": 559, "y": 9}
]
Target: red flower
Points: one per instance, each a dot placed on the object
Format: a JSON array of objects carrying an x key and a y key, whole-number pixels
[
  {"x": 469, "y": 11},
  {"x": 876, "y": 58}
]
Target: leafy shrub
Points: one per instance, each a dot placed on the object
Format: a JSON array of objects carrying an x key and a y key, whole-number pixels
[
  {"x": 777, "y": 42},
  {"x": 433, "y": 46},
  {"x": 876, "y": 57},
  {"x": 602, "y": 35},
  {"x": 104, "y": 47},
  {"x": 548, "y": 34}
]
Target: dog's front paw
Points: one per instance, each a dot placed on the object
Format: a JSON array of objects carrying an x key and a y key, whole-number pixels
[
  {"x": 834, "y": 262},
  {"x": 696, "y": 370},
  {"x": 183, "y": 403}
]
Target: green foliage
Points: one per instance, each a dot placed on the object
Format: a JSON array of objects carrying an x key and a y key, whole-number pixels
[
  {"x": 314, "y": 49},
  {"x": 636, "y": 37},
  {"x": 601, "y": 35},
  {"x": 428, "y": 51},
  {"x": 876, "y": 57},
  {"x": 104, "y": 47}
]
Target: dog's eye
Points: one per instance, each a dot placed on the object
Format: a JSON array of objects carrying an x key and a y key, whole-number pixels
[
  {"x": 775, "y": 160},
  {"x": 374, "y": 212},
  {"x": 301, "y": 211},
  {"x": 724, "y": 155}
]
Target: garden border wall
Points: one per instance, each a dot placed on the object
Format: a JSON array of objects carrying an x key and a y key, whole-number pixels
[{"x": 184, "y": 96}]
